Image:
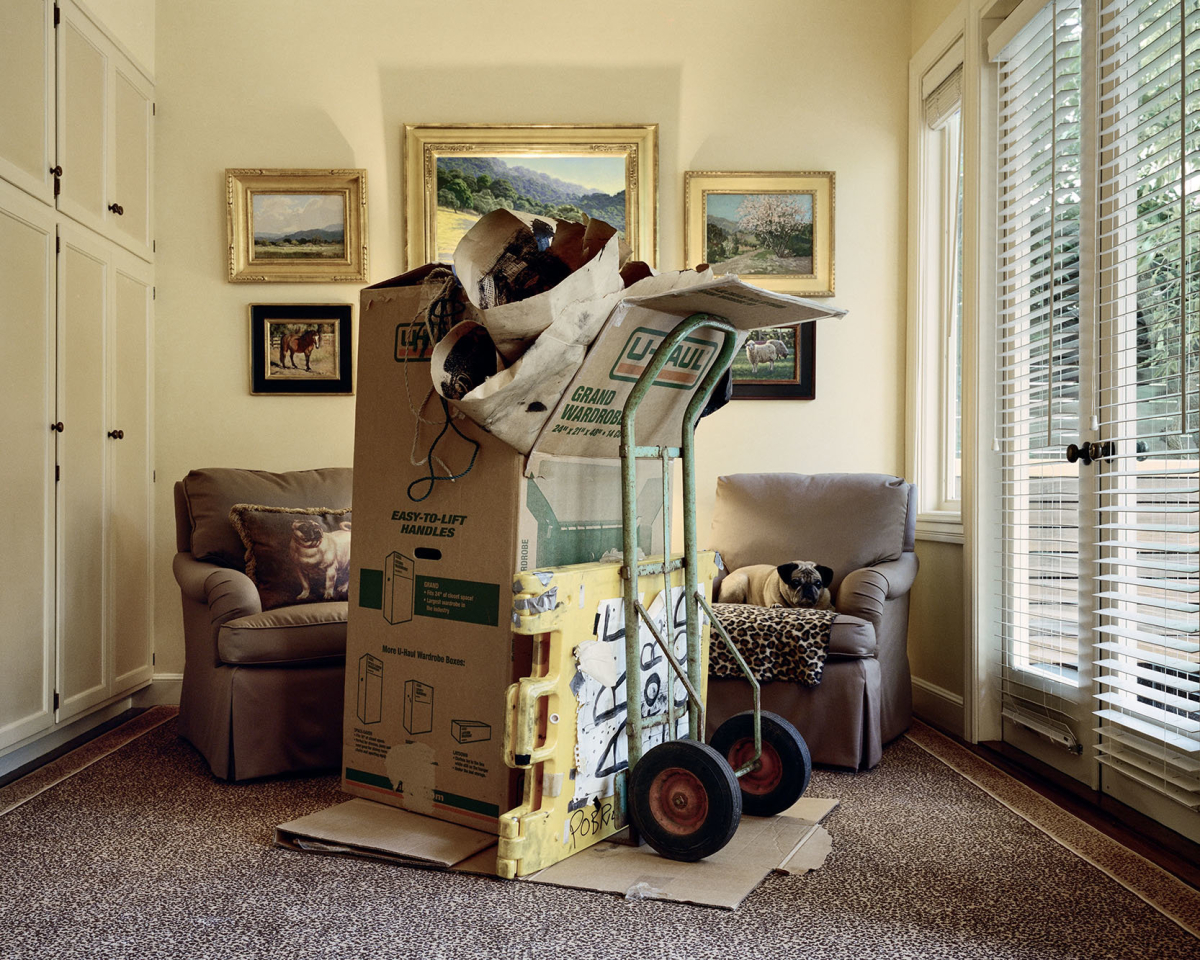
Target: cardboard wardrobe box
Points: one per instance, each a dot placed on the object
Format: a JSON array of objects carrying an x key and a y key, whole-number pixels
[
  {"x": 430, "y": 649},
  {"x": 433, "y": 561}
]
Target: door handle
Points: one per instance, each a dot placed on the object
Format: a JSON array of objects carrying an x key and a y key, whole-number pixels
[
  {"x": 57, "y": 427},
  {"x": 116, "y": 208},
  {"x": 117, "y": 434}
]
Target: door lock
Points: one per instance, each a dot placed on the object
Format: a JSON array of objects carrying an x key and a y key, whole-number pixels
[{"x": 1089, "y": 452}]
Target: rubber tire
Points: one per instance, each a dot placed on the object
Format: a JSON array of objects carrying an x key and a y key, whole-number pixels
[
  {"x": 712, "y": 776},
  {"x": 786, "y": 754}
]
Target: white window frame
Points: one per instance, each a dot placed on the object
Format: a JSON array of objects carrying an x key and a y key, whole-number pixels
[{"x": 933, "y": 205}]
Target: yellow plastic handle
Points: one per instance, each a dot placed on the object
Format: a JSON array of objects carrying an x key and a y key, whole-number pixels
[{"x": 520, "y": 732}]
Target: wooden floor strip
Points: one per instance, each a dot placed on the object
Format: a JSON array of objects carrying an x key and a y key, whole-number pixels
[
  {"x": 1159, "y": 888},
  {"x": 53, "y": 773}
]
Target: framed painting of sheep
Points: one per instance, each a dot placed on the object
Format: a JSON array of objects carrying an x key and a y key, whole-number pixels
[
  {"x": 777, "y": 363},
  {"x": 774, "y": 230}
]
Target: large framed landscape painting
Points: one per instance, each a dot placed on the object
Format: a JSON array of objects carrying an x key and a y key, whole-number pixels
[
  {"x": 774, "y": 230},
  {"x": 454, "y": 174},
  {"x": 297, "y": 225}
]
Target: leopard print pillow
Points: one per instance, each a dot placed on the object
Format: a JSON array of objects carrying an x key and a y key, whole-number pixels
[{"x": 778, "y": 643}]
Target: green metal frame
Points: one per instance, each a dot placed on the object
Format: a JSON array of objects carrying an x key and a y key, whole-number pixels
[{"x": 632, "y": 569}]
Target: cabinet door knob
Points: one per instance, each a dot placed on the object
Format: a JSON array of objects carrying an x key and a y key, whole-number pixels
[
  {"x": 57, "y": 427},
  {"x": 116, "y": 208},
  {"x": 117, "y": 434}
]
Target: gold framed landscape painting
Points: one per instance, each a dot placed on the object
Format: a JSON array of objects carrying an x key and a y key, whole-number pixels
[
  {"x": 297, "y": 225},
  {"x": 455, "y": 173},
  {"x": 774, "y": 230}
]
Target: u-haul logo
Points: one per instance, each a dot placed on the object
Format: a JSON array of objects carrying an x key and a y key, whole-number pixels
[
  {"x": 412, "y": 342},
  {"x": 684, "y": 368}
]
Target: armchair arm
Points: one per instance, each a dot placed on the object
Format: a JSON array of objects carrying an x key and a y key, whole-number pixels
[
  {"x": 227, "y": 593},
  {"x": 863, "y": 592}
]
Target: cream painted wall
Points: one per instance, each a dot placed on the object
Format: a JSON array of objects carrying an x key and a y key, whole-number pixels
[
  {"x": 927, "y": 16},
  {"x": 936, "y": 622},
  {"x": 787, "y": 85},
  {"x": 131, "y": 22}
]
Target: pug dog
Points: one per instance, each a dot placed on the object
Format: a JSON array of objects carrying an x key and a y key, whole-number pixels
[
  {"x": 320, "y": 556},
  {"x": 800, "y": 583}
]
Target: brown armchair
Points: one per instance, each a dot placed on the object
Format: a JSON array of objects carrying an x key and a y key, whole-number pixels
[
  {"x": 262, "y": 690},
  {"x": 863, "y": 526}
]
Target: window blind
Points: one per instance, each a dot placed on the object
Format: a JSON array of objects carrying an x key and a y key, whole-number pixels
[
  {"x": 1148, "y": 583},
  {"x": 1038, "y": 180}
]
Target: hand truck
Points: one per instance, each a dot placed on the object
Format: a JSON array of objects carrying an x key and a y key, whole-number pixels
[
  {"x": 686, "y": 797},
  {"x": 683, "y": 796}
]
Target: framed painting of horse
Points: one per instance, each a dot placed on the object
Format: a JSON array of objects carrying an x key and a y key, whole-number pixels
[
  {"x": 300, "y": 349},
  {"x": 777, "y": 363},
  {"x": 297, "y": 225}
]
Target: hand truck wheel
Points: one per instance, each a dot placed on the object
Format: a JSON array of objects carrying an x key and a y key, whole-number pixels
[
  {"x": 684, "y": 799},
  {"x": 784, "y": 769}
]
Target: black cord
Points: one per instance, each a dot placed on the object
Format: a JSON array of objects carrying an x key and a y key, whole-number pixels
[
  {"x": 432, "y": 477},
  {"x": 444, "y": 312}
]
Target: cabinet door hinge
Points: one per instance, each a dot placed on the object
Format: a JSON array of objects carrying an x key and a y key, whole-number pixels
[
  {"x": 58, "y": 244},
  {"x": 154, "y": 109},
  {"x": 154, "y": 476},
  {"x": 154, "y": 293},
  {"x": 56, "y": 692},
  {"x": 57, "y": 475},
  {"x": 153, "y": 659},
  {"x": 57, "y": 21}
]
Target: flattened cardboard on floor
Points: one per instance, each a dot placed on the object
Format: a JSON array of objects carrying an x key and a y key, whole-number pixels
[
  {"x": 374, "y": 831},
  {"x": 362, "y": 828}
]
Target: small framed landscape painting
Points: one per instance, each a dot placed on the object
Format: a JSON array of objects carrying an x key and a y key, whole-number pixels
[
  {"x": 774, "y": 230},
  {"x": 300, "y": 348},
  {"x": 297, "y": 225},
  {"x": 777, "y": 363},
  {"x": 455, "y": 173}
]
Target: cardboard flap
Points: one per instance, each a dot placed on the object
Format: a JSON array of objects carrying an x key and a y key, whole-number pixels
[
  {"x": 586, "y": 422},
  {"x": 362, "y": 828}
]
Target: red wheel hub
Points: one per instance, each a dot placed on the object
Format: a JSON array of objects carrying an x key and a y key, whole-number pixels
[
  {"x": 678, "y": 801},
  {"x": 763, "y": 778}
]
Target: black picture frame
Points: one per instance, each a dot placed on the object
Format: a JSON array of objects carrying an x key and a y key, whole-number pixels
[
  {"x": 301, "y": 367},
  {"x": 795, "y": 380}
]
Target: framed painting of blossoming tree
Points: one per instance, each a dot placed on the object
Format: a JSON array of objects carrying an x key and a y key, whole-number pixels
[{"x": 774, "y": 230}]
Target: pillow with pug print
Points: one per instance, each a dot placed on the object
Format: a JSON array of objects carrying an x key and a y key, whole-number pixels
[{"x": 295, "y": 554}]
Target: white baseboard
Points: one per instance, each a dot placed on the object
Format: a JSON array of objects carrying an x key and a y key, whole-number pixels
[
  {"x": 938, "y": 706},
  {"x": 163, "y": 691},
  {"x": 39, "y": 746}
]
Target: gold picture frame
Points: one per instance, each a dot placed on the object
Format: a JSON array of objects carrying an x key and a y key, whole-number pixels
[
  {"x": 792, "y": 250},
  {"x": 605, "y": 156},
  {"x": 296, "y": 226}
]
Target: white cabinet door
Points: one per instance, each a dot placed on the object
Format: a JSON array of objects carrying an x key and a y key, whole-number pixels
[
  {"x": 130, "y": 528},
  {"x": 84, "y": 291},
  {"x": 83, "y": 127},
  {"x": 105, "y": 139},
  {"x": 27, "y": 107},
  {"x": 27, "y": 467},
  {"x": 133, "y": 145}
]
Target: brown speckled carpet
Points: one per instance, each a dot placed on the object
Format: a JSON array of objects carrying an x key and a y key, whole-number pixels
[{"x": 143, "y": 854}]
